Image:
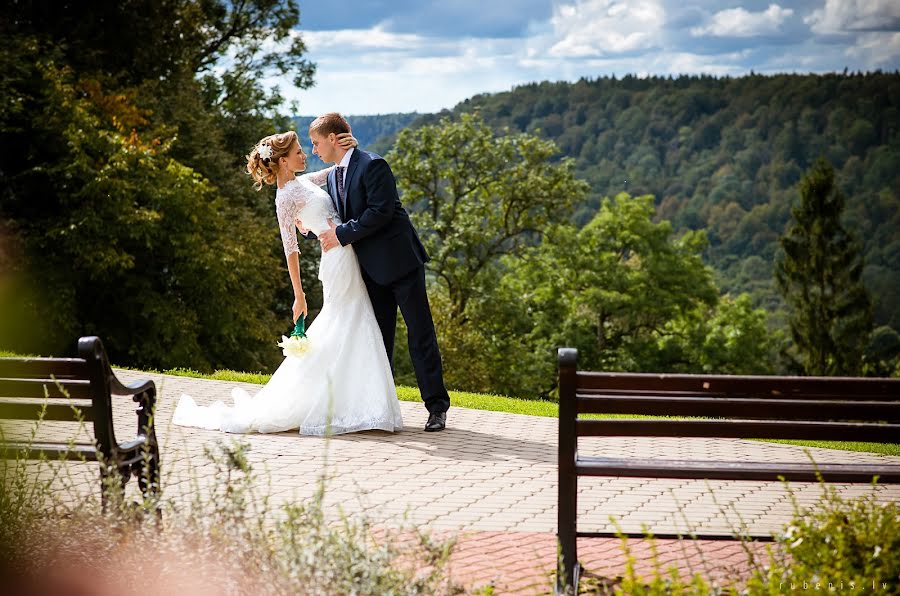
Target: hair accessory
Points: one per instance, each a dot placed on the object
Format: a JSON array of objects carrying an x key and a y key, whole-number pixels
[{"x": 265, "y": 151}]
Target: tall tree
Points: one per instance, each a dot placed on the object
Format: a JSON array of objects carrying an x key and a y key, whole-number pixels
[
  {"x": 819, "y": 277},
  {"x": 612, "y": 289},
  {"x": 123, "y": 127},
  {"x": 478, "y": 196}
]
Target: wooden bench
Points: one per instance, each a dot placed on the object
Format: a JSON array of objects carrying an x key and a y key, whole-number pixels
[
  {"x": 742, "y": 407},
  {"x": 76, "y": 390}
]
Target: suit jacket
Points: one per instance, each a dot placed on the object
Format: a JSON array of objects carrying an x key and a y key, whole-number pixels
[{"x": 375, "y": 222}]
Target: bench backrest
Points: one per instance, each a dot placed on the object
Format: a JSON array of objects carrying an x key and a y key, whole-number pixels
[
  {"x": 747, "y": 407},
  {"x": 52, "y": 389}
]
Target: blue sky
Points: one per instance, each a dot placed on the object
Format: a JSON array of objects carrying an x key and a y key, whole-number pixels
[{"x": 381, "y": 56}]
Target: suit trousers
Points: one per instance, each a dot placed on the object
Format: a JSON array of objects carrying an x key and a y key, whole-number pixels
[{"x": 408, "y": 293}]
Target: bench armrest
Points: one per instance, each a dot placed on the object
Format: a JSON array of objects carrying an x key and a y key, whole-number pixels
[
  {"x": 134, "y": 443},
  {"x": 117, "y": 388}
]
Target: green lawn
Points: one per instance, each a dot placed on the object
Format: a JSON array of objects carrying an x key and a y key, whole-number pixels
[
  {"x": 502, "y": 403},
  {"x": 462, "y": 399},
  {"x": 879, "y": 448}
]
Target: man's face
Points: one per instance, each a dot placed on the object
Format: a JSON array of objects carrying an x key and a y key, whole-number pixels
[{"x": 322, "y": 146}]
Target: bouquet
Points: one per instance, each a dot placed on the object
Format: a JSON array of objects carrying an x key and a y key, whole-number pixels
[{"x": 297, "y": 344}]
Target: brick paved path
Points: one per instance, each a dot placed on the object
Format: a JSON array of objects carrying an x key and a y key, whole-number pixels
[
  {"x": 524, "y": 562},
  {"x": 492, "y": 477}
]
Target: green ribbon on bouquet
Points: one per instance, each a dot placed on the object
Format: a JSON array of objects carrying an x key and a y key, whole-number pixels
[{"x": 299, "y": 327}]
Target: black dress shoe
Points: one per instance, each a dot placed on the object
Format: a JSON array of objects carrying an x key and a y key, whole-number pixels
[{"x": 436, "y": 422}]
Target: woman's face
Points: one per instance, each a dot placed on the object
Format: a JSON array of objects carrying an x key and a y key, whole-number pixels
[{"x": 295, "y": 160}]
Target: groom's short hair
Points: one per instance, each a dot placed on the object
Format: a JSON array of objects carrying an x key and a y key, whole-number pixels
[{"x": 332, "y": 122}]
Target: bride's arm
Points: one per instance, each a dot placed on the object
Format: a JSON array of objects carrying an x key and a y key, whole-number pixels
[
  {"x": 292, "y": 255},
  {"x": 318, "y": 178},
  {"x": 299, "y": 306}
]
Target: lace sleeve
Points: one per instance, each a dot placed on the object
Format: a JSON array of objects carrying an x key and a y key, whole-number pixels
[
  {"x": 318, "y": 178},
  {"x": 288, "y": 206},
  {"x": 288, "y": 233}
]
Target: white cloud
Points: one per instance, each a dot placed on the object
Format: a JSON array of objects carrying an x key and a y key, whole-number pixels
[
  {"x": 845, "y": 16},
  {"x": 685, "y": 63},
  {"x": 366, "y": 71},
  {"x": 737, "y": 22},
  {"x": 469, "y": 61},
  {"x": 355, "y": 79},
  {"x": 593, "y": 28},
  {"x": 361, "y": 39},
  {"x": 381, "y": 91},
  {"x": 877, "y": 48},
  {"x": 658, "y": 63}
]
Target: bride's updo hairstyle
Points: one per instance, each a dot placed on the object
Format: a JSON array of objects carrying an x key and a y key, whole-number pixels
[{"x": 262, "y": 163}]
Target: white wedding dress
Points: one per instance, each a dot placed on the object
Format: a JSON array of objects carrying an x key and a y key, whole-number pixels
[{"x": 343, "y": 382}]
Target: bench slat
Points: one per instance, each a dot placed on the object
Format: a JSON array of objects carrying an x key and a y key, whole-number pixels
[
  {"x": 718, "y": 470},
  {"x": 76, "y": 389},
  {"x": 766, "y": 408},
  {"x": 851, "y": 388},
  {"x": 582, "y": 392},
  {"x": 740, "y": 429},
  {"x": 65, "y": 412},
  {"x": 755, "y": 536},
  {"x": 49, "y": 450},
  {"x": 26, "y": 368},
  {"x": 589, "y": 392}
]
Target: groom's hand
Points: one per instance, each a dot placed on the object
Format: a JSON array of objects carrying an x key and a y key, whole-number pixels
[{"x": 328, "y": 238}]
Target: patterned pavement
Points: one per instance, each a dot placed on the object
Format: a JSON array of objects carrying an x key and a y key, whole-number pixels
[{"x": 490, "y": 479}]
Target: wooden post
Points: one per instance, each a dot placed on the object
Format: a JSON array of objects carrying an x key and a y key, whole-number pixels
[{"x": 567, "y": 505}]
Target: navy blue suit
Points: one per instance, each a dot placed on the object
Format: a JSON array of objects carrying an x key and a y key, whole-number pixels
[{"x": 392, "y": 260}]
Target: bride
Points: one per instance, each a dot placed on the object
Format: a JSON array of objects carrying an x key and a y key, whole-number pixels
[{"x": 343, "y": 382}]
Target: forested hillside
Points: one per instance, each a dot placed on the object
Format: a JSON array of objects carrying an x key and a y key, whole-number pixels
[{"x": 725, "y": 155}]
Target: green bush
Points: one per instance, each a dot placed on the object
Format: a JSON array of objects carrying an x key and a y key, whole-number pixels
[
  {"x": 839, "y": 544},
  {"x": 223, "y": 539}
]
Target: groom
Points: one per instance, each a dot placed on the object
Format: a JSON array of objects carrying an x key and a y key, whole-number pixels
[{"x": 391, "y": 257}]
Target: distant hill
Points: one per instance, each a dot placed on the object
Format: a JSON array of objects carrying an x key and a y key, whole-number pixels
[
  {"x": 367, "y": 129},
  {"x": 725, "y": 155},
  {"x": 719, "y": 154}
]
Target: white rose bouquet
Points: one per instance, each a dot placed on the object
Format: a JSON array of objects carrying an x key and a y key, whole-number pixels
[{"x": 298, "y": 343}]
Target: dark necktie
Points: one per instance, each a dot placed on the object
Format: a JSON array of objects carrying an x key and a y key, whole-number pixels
[{"x": 339, "y": 178}]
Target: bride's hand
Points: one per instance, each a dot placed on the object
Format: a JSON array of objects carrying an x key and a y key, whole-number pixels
[
  {"x": 299, "y": 307},
  {"x": 347, "y": 140}
]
